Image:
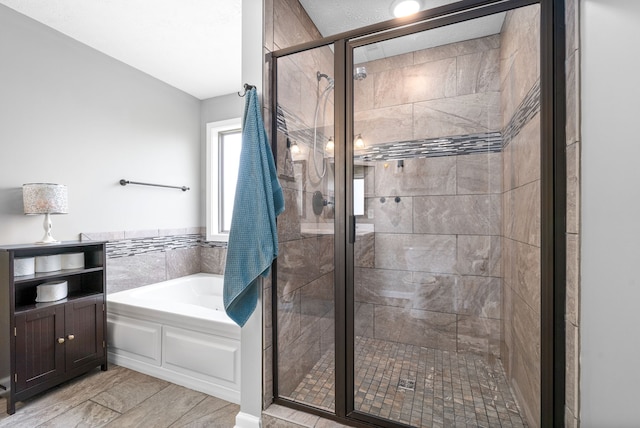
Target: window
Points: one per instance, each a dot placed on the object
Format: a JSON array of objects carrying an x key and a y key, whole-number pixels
[{"x": 224, "y": 141}]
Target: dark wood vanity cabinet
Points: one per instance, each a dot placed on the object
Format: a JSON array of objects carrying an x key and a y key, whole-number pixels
[
  {"x": 84, "y": 333},
  {"x": 40, "y": 357},
  {"x": 44, "y": 344}
]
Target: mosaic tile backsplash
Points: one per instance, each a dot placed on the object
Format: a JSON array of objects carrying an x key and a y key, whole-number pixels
[
  {"x": 137, "y": 258},
  {"x": 133, "y": 247}
]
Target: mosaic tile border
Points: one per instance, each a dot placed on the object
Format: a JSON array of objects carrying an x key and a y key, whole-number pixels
[
  {"x": 489, "y": 142},
  {"x": 528, "y": 108},
  {"x": 213, "y": 244},
  {"x": 157, "y": 244},
  {"x": 296, "y": 128}
]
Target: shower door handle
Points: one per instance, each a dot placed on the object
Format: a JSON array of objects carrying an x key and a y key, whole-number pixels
[{"x": 352, "y": 229}]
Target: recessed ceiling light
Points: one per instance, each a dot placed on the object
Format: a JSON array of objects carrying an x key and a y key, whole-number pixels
[{"x": 405, "y": 8}]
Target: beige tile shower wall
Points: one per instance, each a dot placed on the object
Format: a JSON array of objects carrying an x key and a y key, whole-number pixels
[
  {"x": 435, "y": 277},
  {"x": 305, "y": 262},
  {"x": 520, "y": 344},
  {"x": 437, "y": 92},
  {"x": 305, "y": 307},
  {"x": 572, "y": 402}
]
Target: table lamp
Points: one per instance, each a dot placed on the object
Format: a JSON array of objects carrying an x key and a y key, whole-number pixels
[{"x": 45, "y": 198}]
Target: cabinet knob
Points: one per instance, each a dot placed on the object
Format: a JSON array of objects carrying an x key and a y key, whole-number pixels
[
  {"x": 71, "y": 337},
  {"x": 61, "y": 340}
]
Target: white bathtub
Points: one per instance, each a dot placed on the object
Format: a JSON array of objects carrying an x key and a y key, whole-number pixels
[{"x": 177, "y": 330}]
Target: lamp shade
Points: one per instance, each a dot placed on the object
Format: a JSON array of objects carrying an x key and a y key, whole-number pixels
[{"x": 45, "y": 198}]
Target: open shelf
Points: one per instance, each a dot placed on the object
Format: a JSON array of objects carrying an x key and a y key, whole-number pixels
[
  {"x": 69, "y": 298},
  {"x": 58, "y": 274}
]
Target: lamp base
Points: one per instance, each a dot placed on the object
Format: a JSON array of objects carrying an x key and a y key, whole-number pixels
[
  {"x": 47, "y": 238},
  {"x": 43, "y": 242}
]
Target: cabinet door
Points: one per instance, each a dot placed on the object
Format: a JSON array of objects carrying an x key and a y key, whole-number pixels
[
  {"x": 39, "y": 353},
  {"x": 84, "y": 331}
]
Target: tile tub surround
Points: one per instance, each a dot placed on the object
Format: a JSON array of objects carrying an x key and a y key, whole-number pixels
[
  {"x": 142, "y": 257},
  {"x": 121, "y": 397}
]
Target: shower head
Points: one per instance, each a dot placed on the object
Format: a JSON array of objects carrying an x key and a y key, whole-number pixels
[
  {"x": 360, "y": 73},
  {"x": 319, "y": 76}
]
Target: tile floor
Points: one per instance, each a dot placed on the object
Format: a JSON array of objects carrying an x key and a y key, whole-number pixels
[
  {"x": 120, "y": 398},
  {"x": 277, "y": 416},
  {"x": 419, "y": 386},
  {"x": 396, "y": 381}
]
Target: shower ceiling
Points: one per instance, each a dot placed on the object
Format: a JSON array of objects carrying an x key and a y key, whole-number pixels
[{"x": 336, "y": 16}]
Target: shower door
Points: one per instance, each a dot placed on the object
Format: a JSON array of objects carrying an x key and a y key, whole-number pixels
[
  {"x": 434, "y": 115},
  {"x": 303, "y": 294},
  {"x": 409, "y": 288}
]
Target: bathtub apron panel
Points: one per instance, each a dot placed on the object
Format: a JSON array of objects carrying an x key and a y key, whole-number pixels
[{"x": 178, "y": 331}]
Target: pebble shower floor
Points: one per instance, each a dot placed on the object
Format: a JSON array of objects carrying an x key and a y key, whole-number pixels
[{"x": 418, "y": 386}]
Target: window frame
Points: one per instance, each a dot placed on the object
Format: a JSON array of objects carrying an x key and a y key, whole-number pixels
[{"x": 214, "y": 208}]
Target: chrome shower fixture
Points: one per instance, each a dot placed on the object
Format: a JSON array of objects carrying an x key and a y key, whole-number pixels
[
  {"x": 319, "y": 76},
  {"x": 360, "y": 73}
]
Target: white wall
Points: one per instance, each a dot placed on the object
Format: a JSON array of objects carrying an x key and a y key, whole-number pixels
[
  {"x": 610, "y": 373},
  {"x": 215, "y": 109},
  {"x": 251, "y": 340},
  {"x": 71, "y": 115}
]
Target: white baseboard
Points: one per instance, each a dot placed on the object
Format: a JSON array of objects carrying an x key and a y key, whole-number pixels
[{"x": 245, "y": 420}]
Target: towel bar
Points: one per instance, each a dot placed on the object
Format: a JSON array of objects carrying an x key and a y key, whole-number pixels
[{"x": 124, "y": 182}]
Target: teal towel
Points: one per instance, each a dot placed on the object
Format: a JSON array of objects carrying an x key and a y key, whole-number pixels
[{"x": 253, "y": 238}]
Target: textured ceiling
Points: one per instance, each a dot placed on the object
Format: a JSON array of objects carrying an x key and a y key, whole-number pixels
[{"x": 193, "y": 45}]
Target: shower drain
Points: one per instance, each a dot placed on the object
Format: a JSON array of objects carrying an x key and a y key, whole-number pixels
[{"x": 408, "y": 384}]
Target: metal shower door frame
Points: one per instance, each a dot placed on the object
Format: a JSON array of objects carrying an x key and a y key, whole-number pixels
[{"x": 553, "y": 196}]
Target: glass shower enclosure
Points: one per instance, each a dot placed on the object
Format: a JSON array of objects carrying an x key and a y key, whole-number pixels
[{"x": 407, "y": 289}]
